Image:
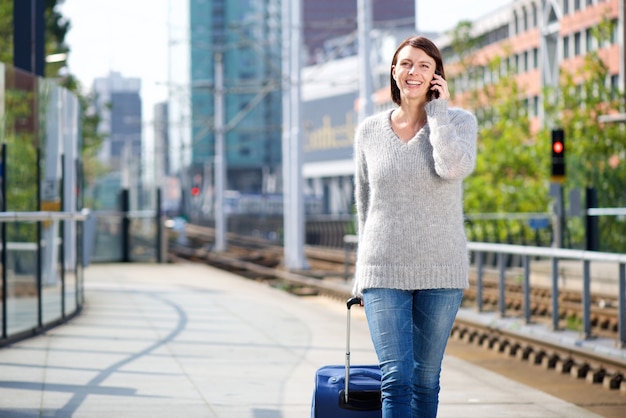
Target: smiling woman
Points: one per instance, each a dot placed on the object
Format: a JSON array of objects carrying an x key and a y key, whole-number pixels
[
  {"x": 416, "y": 78},
  {"x": 412, "y": 260}
]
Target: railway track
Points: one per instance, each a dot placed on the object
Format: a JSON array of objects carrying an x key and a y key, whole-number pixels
[{"x": 262, "y": 260}]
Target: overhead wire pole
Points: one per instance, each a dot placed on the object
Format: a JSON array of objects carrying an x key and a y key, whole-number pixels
[
  {"x": 220, "y": 156},
  {"x": 364, "y": 20},
  {"x": 293, "y": 203}
]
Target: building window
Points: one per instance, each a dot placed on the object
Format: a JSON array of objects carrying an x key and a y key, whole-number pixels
[
  {"x": 577, "y": 44},
  {"x": 565, "y": 7},
  {"x": 525, "y": 107},
  {"x": 534, "y": 17},
  {"x": 576, "y": 5},
  {"x": 614, "y": 86},
  {"x": 614, "y": 35},
  {"x": 525, "y": 17},
  {"x": 535, "y": 58},
  {"x": 488, "y": 77},
  {"x": 515, "y": 23},
  {"x": 525, "y": 63},
  {"x": 588, "y": 40},
  {"x": 566, "y": 47}
]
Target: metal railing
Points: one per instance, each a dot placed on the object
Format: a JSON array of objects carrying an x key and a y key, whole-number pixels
[
  {"x": 34, "y": 300},
  {"x": 554, "y": 255},
  {"x": 527, "y": 254},
  {"x": 125, "y": 236}
]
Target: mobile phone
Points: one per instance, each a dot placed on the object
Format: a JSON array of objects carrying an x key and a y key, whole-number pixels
[{"x": 434, "y": 94}]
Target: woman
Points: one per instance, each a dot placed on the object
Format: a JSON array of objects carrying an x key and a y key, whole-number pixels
[{"x": 412, "y": 261}]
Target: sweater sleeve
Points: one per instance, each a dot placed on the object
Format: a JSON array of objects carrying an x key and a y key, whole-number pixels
[
  {"x": 453, "y": 135},
  {"x": 361, "y": 186}
]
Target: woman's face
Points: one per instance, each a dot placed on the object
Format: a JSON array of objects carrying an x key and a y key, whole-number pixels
[{"x": 413, "y": 72}]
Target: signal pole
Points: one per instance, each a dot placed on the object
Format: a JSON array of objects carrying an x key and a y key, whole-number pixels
[
  {"x": 557, "y": 178},
  {"x": 550, "y": 66}
]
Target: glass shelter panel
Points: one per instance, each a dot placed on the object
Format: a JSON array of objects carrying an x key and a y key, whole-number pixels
[{"x": 40, "y": 277}]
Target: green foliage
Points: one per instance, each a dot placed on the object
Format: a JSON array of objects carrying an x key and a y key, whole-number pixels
[
  {"x": 595, "y": 152},
  {"x": 21, "y": 151},
  {"x": 56, "y": 30},
  {"x": 21, "y": 146},
  {"x": 510, "y": 174},
  {"x": 57, "y": 27},
  {"x": 512, "y": 168},
  {"x": 6, "y": 31}
]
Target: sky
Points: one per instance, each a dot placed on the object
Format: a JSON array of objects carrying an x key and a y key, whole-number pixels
[{"x": 132, "y": 37}]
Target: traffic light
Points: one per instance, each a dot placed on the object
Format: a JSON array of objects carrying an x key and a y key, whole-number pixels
[
  {"x": 557, "y": 172},
  {"x": 196, "y": 185}
]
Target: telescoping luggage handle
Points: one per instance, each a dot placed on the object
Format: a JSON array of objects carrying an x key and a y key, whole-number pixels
[{"x": 349, "y": 303}]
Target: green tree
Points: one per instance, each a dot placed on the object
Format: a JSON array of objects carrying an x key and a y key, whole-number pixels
[
  {"x": 596, "y": 152},
  {"x": 510, "y": 174},
  {"x": 512, "y": 163},
  {"x": 6, "y": 31},
  {"x": 57, "y": 27}
]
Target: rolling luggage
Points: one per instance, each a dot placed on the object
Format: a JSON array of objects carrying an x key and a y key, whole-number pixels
[{"x": 347, "y": 391}]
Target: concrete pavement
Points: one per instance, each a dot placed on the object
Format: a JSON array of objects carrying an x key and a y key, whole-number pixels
[{"x": 192, "y": 341}]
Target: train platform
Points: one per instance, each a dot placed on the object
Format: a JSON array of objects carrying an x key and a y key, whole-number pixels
[{"x": 189, "y": 340}]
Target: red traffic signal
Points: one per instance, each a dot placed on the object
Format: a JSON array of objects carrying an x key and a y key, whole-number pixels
[
  {"x": 557, "y": 170},
  {"x": 195, "y": 191}
]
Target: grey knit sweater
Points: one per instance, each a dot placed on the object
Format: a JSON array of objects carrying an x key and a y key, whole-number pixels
[{"x": 409, "y": 199}]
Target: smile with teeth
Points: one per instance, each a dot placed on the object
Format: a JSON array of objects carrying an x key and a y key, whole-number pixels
[{"x": 414, "y": 83}]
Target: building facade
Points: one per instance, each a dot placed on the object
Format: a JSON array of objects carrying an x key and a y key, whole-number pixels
[
  {"x": 538, "y": 38},
  {"x": 246, "y": 34},
  {"x": 330, "y": 94},
  {"x": 118, "y": 103},
  {"x": 329, "y": 27}
]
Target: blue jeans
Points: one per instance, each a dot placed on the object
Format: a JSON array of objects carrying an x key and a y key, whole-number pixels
[{"x": 410, "y": 330}]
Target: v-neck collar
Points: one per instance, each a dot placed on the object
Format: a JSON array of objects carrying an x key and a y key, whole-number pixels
[{"x": 424, "y": 130}]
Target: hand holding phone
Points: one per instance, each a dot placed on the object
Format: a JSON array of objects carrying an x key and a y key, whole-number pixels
[{"x": 434, "y": 94}]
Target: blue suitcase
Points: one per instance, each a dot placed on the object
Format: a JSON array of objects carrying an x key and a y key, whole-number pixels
[{"x": 347, "y": 391}]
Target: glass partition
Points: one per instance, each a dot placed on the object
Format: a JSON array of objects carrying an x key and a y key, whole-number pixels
[{"x": 40, "y": 231}]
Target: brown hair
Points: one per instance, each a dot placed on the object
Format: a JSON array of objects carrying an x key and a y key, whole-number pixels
[{"x": 425, "y": 45}]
